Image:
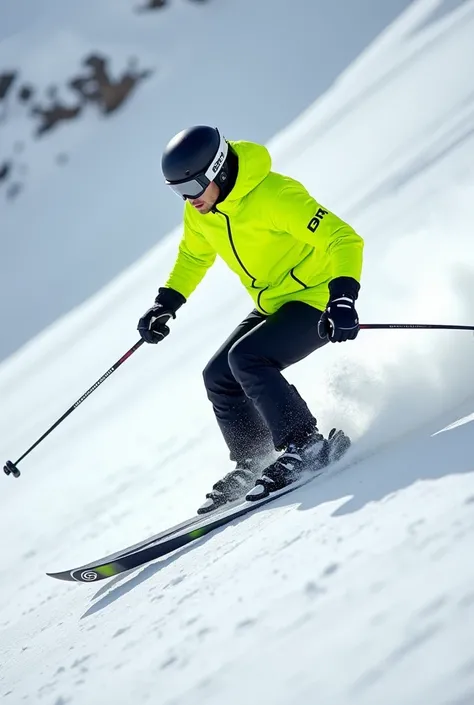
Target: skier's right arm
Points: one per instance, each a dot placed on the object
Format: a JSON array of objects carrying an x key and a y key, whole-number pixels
[{"x": 195, "y": 256}]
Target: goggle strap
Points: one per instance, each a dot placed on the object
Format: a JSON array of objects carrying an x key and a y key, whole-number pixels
[{"x": 218, "y": 161}]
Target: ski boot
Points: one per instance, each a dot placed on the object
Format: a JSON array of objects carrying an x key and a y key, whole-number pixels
[
  {"x": 313, "y": 454},
  {"x": 233, "y": 486}
]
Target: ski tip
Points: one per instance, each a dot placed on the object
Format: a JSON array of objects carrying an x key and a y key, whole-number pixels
[
  {"x": 87, "y": 574},
  {"x": 64, "y": 575}
]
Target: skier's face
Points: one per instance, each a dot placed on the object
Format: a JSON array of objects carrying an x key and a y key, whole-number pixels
[{"x": 206, "y": 202}]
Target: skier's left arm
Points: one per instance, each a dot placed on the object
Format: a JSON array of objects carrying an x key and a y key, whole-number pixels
[{"x": 299, "y": 214}]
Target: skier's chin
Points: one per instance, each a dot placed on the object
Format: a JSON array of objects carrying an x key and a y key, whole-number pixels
[{"x": 202, "y": 207}]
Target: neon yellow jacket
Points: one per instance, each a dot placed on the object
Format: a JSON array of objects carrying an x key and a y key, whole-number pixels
[{"x": 281, "y": 243}]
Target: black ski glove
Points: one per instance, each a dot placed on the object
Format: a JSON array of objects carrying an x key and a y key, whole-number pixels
[
  {"x": 152, "y": 325},
  {"x": 340, "y": 321}
]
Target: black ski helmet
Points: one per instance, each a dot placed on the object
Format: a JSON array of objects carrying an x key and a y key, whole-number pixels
[{"x": 195, "y": 157}]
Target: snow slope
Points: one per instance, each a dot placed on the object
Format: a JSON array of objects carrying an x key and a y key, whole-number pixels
[
  {"x": 357, "y": 589},
  {"x": 248, "y": 67}
]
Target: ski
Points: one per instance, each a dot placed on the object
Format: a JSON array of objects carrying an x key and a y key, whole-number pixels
[{"x": 172, "y": 539}]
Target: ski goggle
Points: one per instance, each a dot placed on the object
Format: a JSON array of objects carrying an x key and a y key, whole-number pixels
[{"x": 195, "y": 187}]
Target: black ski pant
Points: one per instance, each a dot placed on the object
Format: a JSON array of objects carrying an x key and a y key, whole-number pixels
[{"x": 256, "y": 408}]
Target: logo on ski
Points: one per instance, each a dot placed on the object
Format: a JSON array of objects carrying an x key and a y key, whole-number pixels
[{"x": 89, "y": 575}]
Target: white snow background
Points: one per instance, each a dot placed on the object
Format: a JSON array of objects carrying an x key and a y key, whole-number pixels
[{"x": 358, "y": 588}]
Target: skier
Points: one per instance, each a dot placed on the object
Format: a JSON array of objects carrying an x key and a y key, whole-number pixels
[{"x": 301, "y": 265}]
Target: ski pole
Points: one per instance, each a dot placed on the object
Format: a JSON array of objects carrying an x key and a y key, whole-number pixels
[
  {"x": 11, "y": 468},
  {"x": 421, "y": 326}
]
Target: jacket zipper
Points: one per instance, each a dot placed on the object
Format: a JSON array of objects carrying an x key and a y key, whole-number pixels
[{"x": 234, "y": 250}]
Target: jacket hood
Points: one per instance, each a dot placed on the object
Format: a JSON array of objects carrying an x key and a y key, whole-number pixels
[{"x": 254, "y": 166}]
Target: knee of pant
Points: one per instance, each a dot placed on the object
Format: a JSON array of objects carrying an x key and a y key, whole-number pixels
[
  {"x": 239, "y": 357},
  {"x": 214, "y": 374}
]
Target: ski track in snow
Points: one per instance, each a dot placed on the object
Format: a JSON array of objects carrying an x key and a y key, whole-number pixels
[{"x": 358, "y": 588}]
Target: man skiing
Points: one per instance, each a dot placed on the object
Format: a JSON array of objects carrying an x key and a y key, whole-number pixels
[{"x": 301, "y": 265}]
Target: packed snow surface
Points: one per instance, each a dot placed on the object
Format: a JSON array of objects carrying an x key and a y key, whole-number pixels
[{"x": 355, "y": 590}]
